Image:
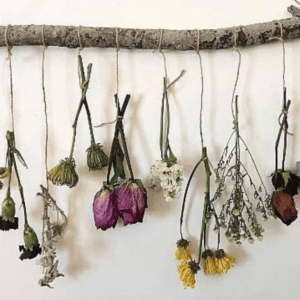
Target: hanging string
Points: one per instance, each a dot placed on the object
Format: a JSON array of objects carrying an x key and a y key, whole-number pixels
[
  {"x": 10, "y": 75},
  {"x": 164, "y": 57},
  {"x": 202, "y": 89},
  {"x": 235, "y": 48},
  {"x": 79, "y": 39},
  {"x": 117, "y": 58},
  {"x": 45, "y": 105},
  {"x": 117, "y": 77}
]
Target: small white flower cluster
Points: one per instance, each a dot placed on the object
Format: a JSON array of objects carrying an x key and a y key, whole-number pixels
[{"x": 168, "y": 178}]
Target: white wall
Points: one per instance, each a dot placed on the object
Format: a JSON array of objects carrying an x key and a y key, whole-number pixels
[{"x": 137, "y": 262}]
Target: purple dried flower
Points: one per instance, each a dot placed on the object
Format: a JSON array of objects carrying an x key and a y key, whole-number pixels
[
  {"x": 132, "y": 201},
  {"x": 105, "y": 209}
]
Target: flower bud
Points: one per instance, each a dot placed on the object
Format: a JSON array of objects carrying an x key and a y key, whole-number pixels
[
  {"x": 132, "y": 201},
  {"x": 96, "y": 158},
  {"x": 105, "y": 209},
  {"x": 284, "y": 206},
  {"x": 8, "y": 209}
]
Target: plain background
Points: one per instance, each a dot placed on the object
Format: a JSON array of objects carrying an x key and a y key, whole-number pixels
[{"x": 137, "y": 262}]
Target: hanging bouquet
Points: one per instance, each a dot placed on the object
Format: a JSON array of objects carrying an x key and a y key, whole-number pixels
[
  {"x": 284, "y": 181},
  {"x": 8, "y": 220},
  {"x": 65, "y": 173},
  {"x": 166, "y": 173},
  {"x": 127, "y": 200}
]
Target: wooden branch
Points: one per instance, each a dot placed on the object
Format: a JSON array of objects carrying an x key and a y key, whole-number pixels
[{"x": 67, "y": 36}]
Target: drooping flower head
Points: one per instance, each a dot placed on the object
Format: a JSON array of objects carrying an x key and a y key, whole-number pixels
[
  {"x": 183, "y": 252},
  {"x": 96, "y": 158},
  {"x": 223, "y": 261},
  {"x": 105, "y": 209},
  {"x": 8, "y": 220},
  {"x": 32, "y": 247},
  {"x": 208, "y": 262},
  {"x": 132, "y": 201},
  {"x": 284, "y": 206},
  {"x": 64, "y": 173},
  {"x": 187, "y": 271}
]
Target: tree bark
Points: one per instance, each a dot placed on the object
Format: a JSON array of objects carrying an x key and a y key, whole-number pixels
[{"x": 101, "y": 37}]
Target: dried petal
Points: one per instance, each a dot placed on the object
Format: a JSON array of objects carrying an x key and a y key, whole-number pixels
[
  {"x": 132, "y": 201},
  {"x": 105, "y": 209}
]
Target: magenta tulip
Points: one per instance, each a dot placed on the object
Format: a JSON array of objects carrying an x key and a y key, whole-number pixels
[
  {"x": 105, "y": 209},
  {"x": 132, "y": 201}
]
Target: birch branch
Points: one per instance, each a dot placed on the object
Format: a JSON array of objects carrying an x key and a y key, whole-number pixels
[{"x": 105, "y": 37}]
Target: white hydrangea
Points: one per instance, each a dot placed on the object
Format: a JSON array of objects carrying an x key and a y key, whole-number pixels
[{"x": 168, "y": 178}]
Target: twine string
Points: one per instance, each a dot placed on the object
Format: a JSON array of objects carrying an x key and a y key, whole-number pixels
[
  {"x": 117, "y": 78},
  {"x": 202, "y": 89},
  {"x": 117, "y": 58},
  {"x": 235, "y": 48},
  {"x": 10, "y": 75},
  {"x": 45, "y": 106}
]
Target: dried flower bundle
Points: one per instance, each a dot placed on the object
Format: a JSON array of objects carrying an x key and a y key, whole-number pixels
[
  {"x": 166, "y": 173},
  {"x": 65, "y": 173},
  {"x": 128, "y": 200}
]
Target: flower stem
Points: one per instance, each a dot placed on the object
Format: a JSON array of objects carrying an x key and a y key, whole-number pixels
[
  {"x": 84, "y": 84},
  {"x": 20, "y": 189},
  {"x": 206, "y": 200}
]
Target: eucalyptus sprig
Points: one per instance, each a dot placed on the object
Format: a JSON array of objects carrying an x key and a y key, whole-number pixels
[{"x": 238, "y": 215}]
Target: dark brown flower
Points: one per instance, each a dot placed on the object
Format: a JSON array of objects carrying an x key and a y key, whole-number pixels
[{"x": 284, "y": 206}]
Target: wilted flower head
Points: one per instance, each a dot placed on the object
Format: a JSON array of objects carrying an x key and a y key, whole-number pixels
[
  {"x": 187, "y": 271},
  {"x": 284, "y": 206},
  {"x": 183, "y": 252},
  {"x": 8, "y": 220},
  {"x": 64, "y": 173},
  {"x": 223, "y": 261},
  {"x": 32, "y": 247},
  {"x": 96, "y": 158},
  {"x": 3, "y": 172},
  {"x": 208, "y": 262},
  {"x": 132, "y": 201},
  {"x": 105, "y": 209}
]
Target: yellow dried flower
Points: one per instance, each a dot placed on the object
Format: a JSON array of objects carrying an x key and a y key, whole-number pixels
[
  {"x": 187, "y": 271},
  {"x": 183, "y": 252},
  {"x": 223, "y": 261},
  {"x": 208, "y": 262},
  {"x": 64, "y": 173},
  {"x": 3, "y": 172}
]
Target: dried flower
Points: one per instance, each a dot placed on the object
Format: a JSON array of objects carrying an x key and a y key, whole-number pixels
[
  {"x": 3, "y": 172},
  {"x": 187, "y": 271},
  {"x": 105, "y": 209},
  {"x": 132, "y": 201},
  {"x": 96, "y": 158},
  {"x": 8, "y": 209},
  {"x": 183, "y": 252},
  {"x": 168, "y": 177},
  {"x": 286, "y": 180},
  {"x": 32, "y": 247},
  {"x": 223, "y": 261},
  {"x": 1, "y": 185},
  {"x": 208, "y": 262},
  {"x": 284, "y": 206},
  {"x": 64, "y": 173}
]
